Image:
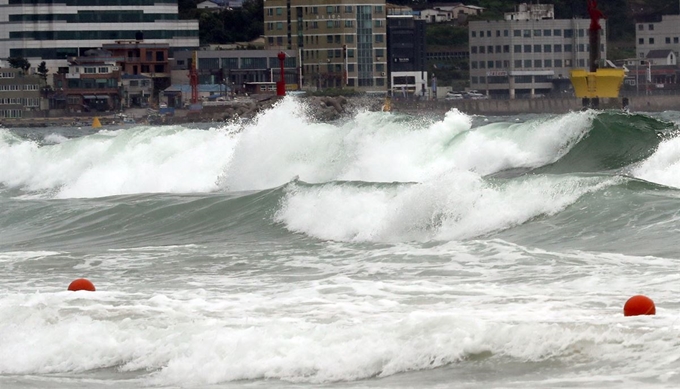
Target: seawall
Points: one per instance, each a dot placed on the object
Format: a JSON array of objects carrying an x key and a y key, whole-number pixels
[{"x": 539, "y": 105}]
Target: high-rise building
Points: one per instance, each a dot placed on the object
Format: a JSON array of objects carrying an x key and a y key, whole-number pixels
[
  {"x": 529, "y": 53},
  {"x": 340, "y": 43},
  {"x": 406, "y": 66},
  {"x": 54, "y": 30}
]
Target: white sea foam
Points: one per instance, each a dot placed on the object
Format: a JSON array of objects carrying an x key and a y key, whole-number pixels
[
  {"x": 447, "y": 307},
  {"x": 55, "y": 138},
  {"x": 279, "y": 144},
  {"x": 140, "y": 160},
  {"x": 663, "y": 167},
  {"x": 456, "y": 205}
]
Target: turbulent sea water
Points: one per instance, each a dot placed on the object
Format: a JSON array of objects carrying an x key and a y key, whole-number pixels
[{"x": 381, "y": 251}]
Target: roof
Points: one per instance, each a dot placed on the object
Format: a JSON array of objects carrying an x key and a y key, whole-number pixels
[
  {"x": 134, "y": 77},
  {"x": 659, "y": 53}
]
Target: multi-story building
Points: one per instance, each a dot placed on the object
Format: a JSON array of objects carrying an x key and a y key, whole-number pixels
[
  {"x": 19, "y": 93},
  {"x": 663, "y": 35},
  {"x": 55, "y": 30},
  {"x": 341, "y": 43},
  {"x": 528, "y": 53},
  {"x": 657, "y": 46},
  {"x": 143, "y": 58},
  {"x": 137, "y": 90},
  {"x": 92, "y": 83},
  {"x": 406, "y": 65}
]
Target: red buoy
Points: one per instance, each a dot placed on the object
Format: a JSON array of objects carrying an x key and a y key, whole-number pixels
[
  {"x": 81, "y": 284},
  {"x": 639, "y": 305}
]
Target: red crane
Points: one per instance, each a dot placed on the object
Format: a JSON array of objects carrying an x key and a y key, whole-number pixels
[{"x": 193, "y": 78}]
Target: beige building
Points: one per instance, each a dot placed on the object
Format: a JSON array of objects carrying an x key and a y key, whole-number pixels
[
  {"x": 19, "y": 93},
  {"x": 340, "y": 43},
  {"x": 530, "y": 53}
]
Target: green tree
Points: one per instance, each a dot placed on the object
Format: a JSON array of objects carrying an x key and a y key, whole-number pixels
[
  {"x": 42, "y": 71},
  {"x": 19, "y": 63}
]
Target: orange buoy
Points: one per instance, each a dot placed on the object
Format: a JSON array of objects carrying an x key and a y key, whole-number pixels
[
  {"x": 81, "y": 284},
  {"x": 639, "y": 305}
]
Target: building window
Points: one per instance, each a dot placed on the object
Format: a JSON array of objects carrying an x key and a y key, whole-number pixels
[
  {"x": 517, "y": 33},
  {"x": 473, "y": 34},
  {"x": 651, "y": 41},
  {"x": 489, "y": 64},
  {"x": 527, "y": 63},
  {"x": 641, "y": 27},
  {"x": 527, "y": 48},
  {"x": 473, "y": 64},
  {"x": 537, "y": 32},
  {"x": 517, "y": 48},
  {"x": 558, "y": 63},
  {"x": 557, "y": 48},
  {"x": 279, "y": 25},
  {"x": 527, "y": 33},
  {"x": 547, "y": 48},
  {"x": 518, "y": 63},
  {"x": 557, "y": 32},
  {"x": 505, "y": 32},
  {"x": 537, "y": 63},
  {"x": 349, "y": 38},
  {"x": 537, "y": 48},
  {"x": 668, "y": 40},
  {"x": 348, "y": 9},
  {"x": 482, "y": 50},
  {"x": 547, "y": 32},
  {"x": 568, "y": 48},
  {"x": 279, "y": 11},
  {"x": 473, "y": 49},
  {"x": 506, "y": 48},
  {"x": 378, "y": 9},
  {"x": 489, "y": 49},
  {"x": 568, "y": 33},
  {"x": 547, "y": 63},
  {"x": 379, "y": 38},
  {"x": 651, "y": 27}
]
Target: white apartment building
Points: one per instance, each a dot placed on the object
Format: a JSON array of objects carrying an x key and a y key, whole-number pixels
[
  {"x": 529, "y": 53},
  {"x": 54, "y": 30}
]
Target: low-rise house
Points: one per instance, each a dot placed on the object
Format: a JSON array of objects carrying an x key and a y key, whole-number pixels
[{"x": 137, "y": 90}]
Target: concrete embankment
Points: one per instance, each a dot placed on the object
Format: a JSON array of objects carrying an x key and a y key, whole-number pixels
[
  {"x": 542, "y": 105},
  {"x": 325, "y": 108}
]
